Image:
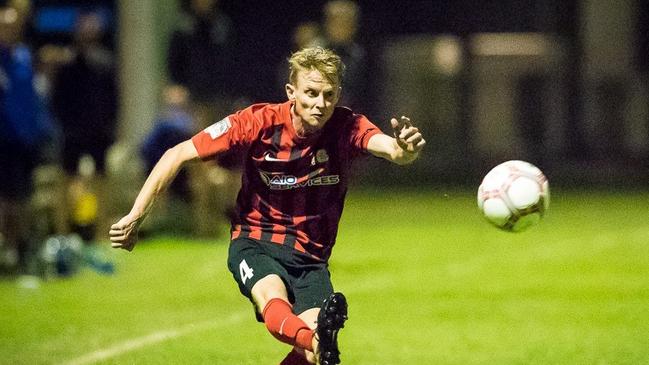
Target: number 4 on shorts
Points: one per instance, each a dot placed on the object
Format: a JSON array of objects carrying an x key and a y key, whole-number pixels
[{"x": 245, "y": 271}]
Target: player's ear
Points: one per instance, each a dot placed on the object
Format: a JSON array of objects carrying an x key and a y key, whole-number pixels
[{"x": 290, "y": 92}]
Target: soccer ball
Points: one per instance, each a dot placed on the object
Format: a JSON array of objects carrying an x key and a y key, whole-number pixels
[{"x": 514, "y": 195}]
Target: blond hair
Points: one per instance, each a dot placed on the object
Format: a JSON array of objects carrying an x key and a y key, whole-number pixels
[{"x": 323, "y": 60}]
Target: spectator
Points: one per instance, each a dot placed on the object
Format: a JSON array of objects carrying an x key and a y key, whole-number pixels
[
  {"x": 84, "y": 99},
  {"x": 200, "y": 57},
  {"x": 305, "y": 35},
  {"x": 23, "y": 128},
  {"x": 48, "y": 197},
  {"x": 341, "y": 22},
  {"x": 84, "y": 96},
  {"x": 49, "y": 59},
  {"x": 173, "y": 125}
]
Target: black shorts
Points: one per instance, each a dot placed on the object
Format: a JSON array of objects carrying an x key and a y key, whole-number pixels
[{"x": 307, "y": 280}]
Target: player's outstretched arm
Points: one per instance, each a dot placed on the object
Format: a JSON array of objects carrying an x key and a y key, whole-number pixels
[
  {"x": 124, "y": 233},
  {"x": 403, "y": 148}
]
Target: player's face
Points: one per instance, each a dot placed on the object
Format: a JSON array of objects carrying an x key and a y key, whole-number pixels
[{"x": 315, "y": 98}]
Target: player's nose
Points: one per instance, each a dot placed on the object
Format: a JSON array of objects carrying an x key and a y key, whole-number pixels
[{"x": 320, "y": 102}]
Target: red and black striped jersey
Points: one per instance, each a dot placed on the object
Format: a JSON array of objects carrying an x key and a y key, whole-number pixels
[{"x": 293, "y": 188}]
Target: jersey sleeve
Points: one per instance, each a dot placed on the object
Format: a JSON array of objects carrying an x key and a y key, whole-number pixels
[
  {"x": 363, "y": 129},
  {"x": 238, "y": 129}
]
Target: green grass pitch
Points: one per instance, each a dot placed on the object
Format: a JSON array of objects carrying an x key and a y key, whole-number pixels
[{"x": 428, "y": 282}]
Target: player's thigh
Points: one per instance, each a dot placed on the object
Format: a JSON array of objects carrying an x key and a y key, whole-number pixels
[
  {"x": 267, "y": 288},
  {"x": 311, "y": 289},
  {"x": 249, "y": 264}
]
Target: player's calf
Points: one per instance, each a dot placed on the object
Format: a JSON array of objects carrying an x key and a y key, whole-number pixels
[{"x": 286, "y": 326}]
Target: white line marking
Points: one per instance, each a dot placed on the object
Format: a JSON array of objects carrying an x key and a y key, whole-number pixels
[
  {"x": 153, "y": 338},
  {"x": 133, "y": 344}
]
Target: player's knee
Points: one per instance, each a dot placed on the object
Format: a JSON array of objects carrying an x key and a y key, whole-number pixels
[{"x": 268, "y": 288}]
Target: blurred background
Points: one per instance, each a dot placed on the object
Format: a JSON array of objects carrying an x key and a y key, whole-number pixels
[
  {"x": 559, "y": 83},
  {"x": 562, "y": 84},
  {"x": 109, "y": 85},
  {"x": 92, "y": 92}
]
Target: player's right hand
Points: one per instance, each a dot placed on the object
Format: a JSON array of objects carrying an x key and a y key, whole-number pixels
[{"x": 124, "y": 233}]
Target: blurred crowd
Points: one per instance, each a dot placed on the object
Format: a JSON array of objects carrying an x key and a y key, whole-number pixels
[
  {"x": 58, "y": 112},
  {"x": 59, "y": 121}
]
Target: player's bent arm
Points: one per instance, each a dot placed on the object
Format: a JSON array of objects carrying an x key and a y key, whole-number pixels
[
  {"x": 386, "y": 147},
  {"x": 162, "y": 175},
  {"x": 123, "y": 234}
]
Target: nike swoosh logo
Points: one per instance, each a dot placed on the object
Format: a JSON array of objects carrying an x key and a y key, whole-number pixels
[{"x": 267, "y": 157}]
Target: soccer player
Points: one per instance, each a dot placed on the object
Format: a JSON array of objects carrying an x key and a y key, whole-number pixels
[{"x": 296, "y": 172}]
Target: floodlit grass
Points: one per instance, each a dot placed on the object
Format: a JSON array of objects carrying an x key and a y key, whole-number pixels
[{"x": 428, "y": 282}]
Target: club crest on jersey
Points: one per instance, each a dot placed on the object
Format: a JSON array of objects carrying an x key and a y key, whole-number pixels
[
  {"x": 320, "y": 157},
  {"x": 217, "y": 129}
]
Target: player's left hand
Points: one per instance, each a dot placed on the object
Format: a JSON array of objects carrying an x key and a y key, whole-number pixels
[{"x": 407, "y": 136}]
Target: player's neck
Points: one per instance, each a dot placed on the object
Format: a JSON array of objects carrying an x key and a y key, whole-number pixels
[{"x": 302, "y": 130}]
